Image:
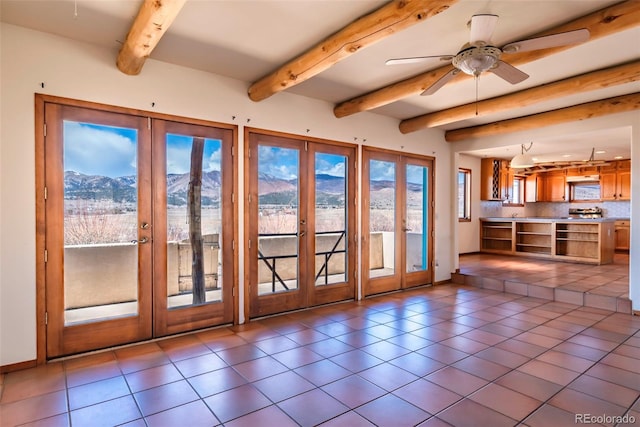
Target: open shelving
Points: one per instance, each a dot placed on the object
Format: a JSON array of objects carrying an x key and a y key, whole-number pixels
[
  {"x": 578, "y": 240},
  {"x": 497, "y": 236},
  {"x": 533, "y": 237}
]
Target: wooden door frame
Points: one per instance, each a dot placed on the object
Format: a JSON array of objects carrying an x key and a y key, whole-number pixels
[
  {"x": 40, "y": 100},
  {"x": 165, "y": 321},
  {"x": 250, "y": 192},
  {"x": 401, "y": 159}
]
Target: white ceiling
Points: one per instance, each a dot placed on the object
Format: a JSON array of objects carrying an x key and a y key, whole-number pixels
[{"x": 248, "y": 39}]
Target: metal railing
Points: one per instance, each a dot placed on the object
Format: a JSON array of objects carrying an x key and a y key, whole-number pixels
[{"x": 270, "y": 260}]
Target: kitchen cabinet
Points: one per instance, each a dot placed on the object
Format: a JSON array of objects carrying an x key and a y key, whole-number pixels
[
  {"x": 615, "y": 181},
  {"x": 492, "y": 175},
  {"x": 555, "y": 187},
  {"x": 576, "y": 240},
  {"x": 623, "y": 237},
  {"x": 497, "y": 180},
  {"x": 533, "y": 188}
]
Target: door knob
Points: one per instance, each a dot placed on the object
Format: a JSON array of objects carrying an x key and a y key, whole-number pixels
[{"x": 145, "y": 225}]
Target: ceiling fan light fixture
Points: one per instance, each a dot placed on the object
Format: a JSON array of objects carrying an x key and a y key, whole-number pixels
[{"x": 477, "y": 59}]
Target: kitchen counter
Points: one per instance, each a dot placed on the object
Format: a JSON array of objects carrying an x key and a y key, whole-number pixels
[
  {"x": 548, "y": 219},
  {"x": 586, "y": 240}
]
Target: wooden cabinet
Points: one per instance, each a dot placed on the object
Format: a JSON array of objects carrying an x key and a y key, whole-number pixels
[
  {"x": 615, "y": 181},
  {"x": 623, "y": 237},
  {"x": 533, "y": 189},
  {"x": 579, "y": 241},
  {"x": 554, "y": 187},
  {"x": 583, "y": 241},
  {"x": 533, "y": 237},
  {"x": 497, "y": 180},
  {"x": 494, "y": 179},
  {"x": 496, "y": 236}
]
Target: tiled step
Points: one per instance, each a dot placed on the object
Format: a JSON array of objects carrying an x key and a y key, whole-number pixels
[{"x": 620, "y": 304}]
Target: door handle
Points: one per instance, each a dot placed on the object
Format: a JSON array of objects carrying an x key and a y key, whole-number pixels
[
  {"x": 145, "y": 225},
  {"x": 141, "y": 241}
]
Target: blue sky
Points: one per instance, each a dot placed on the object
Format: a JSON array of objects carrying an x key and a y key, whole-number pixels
[
  {"x": 283, "y": 163},
  {"x": 380, "y": 170},
  {"x": 112, "y": 151}
]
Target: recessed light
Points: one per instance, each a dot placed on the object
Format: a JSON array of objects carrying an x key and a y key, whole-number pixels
[
  {"x": 566, "y": 155},
  {"x": 535, "y": 159},
  {"x": 617, "y": 157},
  {"x": 600, "y": 152}
]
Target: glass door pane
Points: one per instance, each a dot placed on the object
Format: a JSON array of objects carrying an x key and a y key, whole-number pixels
[
  {"x": 382, "y": 214},
  {"x": 194, "y": 220},
  {"x": 416, "y": 218},
  {"x": 278, "y": 219},
  {"x": 100, "y": 222},
  {"x": 330, "y": 219}
]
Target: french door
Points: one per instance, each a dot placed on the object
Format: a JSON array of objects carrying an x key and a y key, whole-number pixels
[
  {"x": 300, "y": 222},
  {"x": 134, "y": 240},
  {"x": 397, "y": 221}
]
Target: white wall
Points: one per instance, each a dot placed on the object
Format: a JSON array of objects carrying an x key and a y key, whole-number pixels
[
  {"x": 469, "y": 232},
  {"x": 83, "y": 71}
]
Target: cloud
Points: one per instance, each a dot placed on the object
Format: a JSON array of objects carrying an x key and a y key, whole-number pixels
[
  {"x": 99, "y": 150},
  {"x": 382, "y": 171},
  {"x": 278, "y": 162},
  {"x": 330, "y": 164}
]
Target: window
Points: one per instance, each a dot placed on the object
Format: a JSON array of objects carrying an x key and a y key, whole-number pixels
[
  {"x": 464, "y": 194},
  {"x": 585, "y": 191},
  {"x": 518, "y": 190}
]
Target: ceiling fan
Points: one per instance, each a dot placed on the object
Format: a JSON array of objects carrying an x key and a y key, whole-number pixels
[{"x": 479, "y": 55}]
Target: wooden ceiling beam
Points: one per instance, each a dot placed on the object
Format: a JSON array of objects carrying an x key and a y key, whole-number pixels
[
  {"x": 607, "y": 21},
  {"x": 589, "y": 110},
  {"x": 394, "y": 16},
  {"x": 600, "y": 79},
  {"x": 153, "y": 20}
]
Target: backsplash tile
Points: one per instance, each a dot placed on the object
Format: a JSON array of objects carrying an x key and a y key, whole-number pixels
[{"x": 609, "y": 209}]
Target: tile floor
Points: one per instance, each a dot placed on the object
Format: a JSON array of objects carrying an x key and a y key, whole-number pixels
[
  {"x": 599, "y": 286},
  {"x": 446, "y": 355}
]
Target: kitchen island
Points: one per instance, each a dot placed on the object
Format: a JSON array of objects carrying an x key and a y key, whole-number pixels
[{"x": 563, "y": 239}]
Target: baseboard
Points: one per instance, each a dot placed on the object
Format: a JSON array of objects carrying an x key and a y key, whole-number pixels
[{"x": 18, "y": 366}]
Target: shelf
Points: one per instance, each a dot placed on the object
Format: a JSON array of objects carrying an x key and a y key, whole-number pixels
[
  {"x": 506, "y": 239},
  {"x": 576, "y": 240},
  {"x": 533, "y": 233},
  {"x": 577, "y": 231},
  {"x": 502, "y": 227},
  {"x": 533, "y": 246}
]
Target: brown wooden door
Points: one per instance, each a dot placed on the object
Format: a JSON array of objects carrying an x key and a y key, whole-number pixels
[
  {"x": 300, "y": 222},
  {"x": 397, "y": 221},
  {"x": 98, "y": 252},
  {"x": 192, "y": 236},
  {"x": 125, "y": 261}
]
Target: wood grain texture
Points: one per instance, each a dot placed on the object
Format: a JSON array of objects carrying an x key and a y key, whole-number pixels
[
  {"x": 394, "y": 16},
  {"x": 585, "y": 111},
  {"x": 153, "y": 20},
  {"x": 613, "y": 76}
]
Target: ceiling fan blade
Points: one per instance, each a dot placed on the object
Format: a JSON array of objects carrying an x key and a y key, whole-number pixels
[
  {"x": 482, "y": 27},
  {"x": 416, "y": 59},
  {"x": 545, "y": 42},
  {"x": 440, "y": 82},
  {"x": 509, "y": 73}
]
